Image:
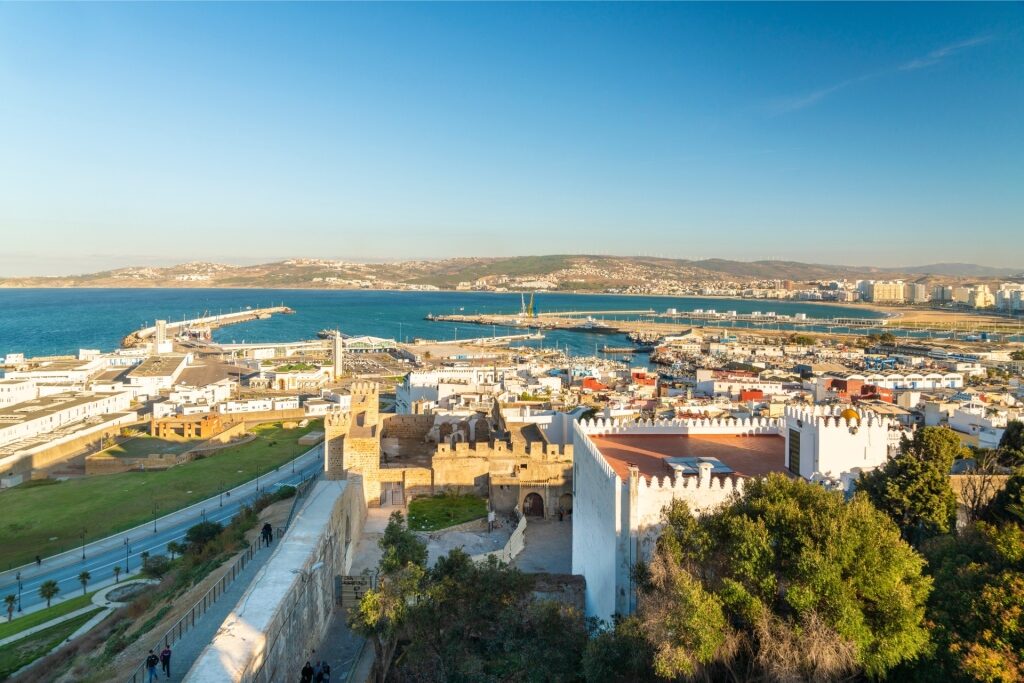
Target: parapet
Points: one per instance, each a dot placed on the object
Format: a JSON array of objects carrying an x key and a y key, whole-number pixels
[
  {"x": 825, "y": 417},
  {"x": 705, "y": 426}
]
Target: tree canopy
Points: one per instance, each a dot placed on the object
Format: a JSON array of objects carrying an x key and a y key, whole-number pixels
[
  {"x": 787, "y": 582},
  {"x": 463, "y": 620},
  {"x": 1011, "y": 444},
  {"x": 913, "y": 487},
  {"x": 976, "y": 607}
]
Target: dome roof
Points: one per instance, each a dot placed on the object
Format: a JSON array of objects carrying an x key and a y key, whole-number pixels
[{"x": 850, "y": 414}]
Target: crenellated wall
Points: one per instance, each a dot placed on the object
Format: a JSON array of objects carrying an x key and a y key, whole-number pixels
[
  {"x": 616, "y": 522},
  {"x": 748, "y": 427},
  {"x": 830, "y": 447}
]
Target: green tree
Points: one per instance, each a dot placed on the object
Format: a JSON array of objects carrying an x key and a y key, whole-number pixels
[
  {"x": 9, "y": 601},
  {"x": 1007, "y": 505},
  {"x": 175, "y": 548},
  {"x": 478, "y": 621},
  {"x": 83, "y": 578},
  {"x": 1011, "y": 445},
  {"x": 400, "y": 546},
  {"x": 382, "y": 611},
  {"x": 1017, "y": 355},
  {"x": 887, "y": 338},
  {"x": 48, "y": 590},
  {"x": 621, "y": 654},
  {"x": 787, "y": 582},
  {"x": 976, "y": 606},
  {"x": 156, "y": 566},
  {"x": 913, "y": 488},
  {"x": 199, "y": 535}
]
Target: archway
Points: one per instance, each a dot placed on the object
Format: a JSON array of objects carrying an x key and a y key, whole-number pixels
[{"x": 533, "y": 505}]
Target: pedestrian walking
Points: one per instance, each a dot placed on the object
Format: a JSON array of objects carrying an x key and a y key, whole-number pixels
[
  {"x": 326, "y": 668},
  {"x": 307, "y": 673},
  {"x": 490, "y": 521},
  {"x": 165, "y": 660},
  {"x": 39, "y": 561},
  {"x": 318, "y": 673},
  {"x": 268, "y": 533},
  {"x": 151, "y": 661}
]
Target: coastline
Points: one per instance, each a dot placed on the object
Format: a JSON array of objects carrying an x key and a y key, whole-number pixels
[{"x": 907, "y": 313}]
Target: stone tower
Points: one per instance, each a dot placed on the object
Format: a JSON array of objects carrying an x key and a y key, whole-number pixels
[
  {"x": 335, "y": 429},
  {"x": 365, "y": 404},
  {"x": 352, "y": 438}
]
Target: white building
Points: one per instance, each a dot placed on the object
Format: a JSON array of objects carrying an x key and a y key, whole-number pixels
[
  {"x": 436, "y": 386},
  {"x": 16, "y": 391},
  {"x": 68, "y": 373},
  {"x": 257, "y": 405},
  {"x": 155, "y": 373},
  {"x": 1010, "y": 297},
  {"x": 42, "y": 416},
  {"x": 624, "y": 474},
  {"x": 829, "y": 444}
]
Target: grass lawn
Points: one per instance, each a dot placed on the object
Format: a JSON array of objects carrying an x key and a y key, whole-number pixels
[
  {"x": 142, "y": 446},
  {"x": 443, "y": 510},
  {"x": 28, "y": 649},
  {"x": 44, "y": 615},
  {"x": 49, "y": 519}
]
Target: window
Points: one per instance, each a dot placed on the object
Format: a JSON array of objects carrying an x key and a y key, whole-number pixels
[{"x": 794, "y": 451}]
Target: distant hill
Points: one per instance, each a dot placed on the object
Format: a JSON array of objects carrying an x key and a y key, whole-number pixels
[
  {"x": 556, "y": 271},
  {"x": 963, "y": 270}
]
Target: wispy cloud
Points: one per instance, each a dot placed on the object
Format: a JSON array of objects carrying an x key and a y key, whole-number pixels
[
  {"x": 936, "y": 56},
  {"x": 796, "y": 103}
]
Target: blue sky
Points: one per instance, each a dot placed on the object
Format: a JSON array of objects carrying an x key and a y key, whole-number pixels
[{"x": 869, "y": 134}]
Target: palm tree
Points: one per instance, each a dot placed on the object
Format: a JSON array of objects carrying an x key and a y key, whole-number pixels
[
  {"x": 83, "y": 579},
  {"x": 117, "y": 573},
  {"x": 9, "y": 600},
  {"x": 175, "y": 548},
  {"x": 48, "y": 591}
]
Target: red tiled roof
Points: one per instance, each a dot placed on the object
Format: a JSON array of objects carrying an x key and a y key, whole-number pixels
[{"x": 749, "y": 456}]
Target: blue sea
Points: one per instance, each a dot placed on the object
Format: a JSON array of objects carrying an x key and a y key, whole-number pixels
[{"x": 39, "y": 322}]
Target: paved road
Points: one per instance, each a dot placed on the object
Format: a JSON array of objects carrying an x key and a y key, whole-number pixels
[{"x": 124, "y": 549}]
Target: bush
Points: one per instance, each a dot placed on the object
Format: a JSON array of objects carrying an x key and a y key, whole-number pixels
[
  {"x": 156, "y": 566},
  {"x": 199, "y": 535}
]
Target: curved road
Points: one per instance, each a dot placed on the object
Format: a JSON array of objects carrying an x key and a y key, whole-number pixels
[{"x": 124, "y": 548}]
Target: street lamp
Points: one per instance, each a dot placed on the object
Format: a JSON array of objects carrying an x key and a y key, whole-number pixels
[
  {"x": 127, "y": 549},
  {"x": 221, "y": 487},
  {"x": 83, "y": 542},
  {"x": 19, "y": 592},
  {"x": 156, "y": 511}
]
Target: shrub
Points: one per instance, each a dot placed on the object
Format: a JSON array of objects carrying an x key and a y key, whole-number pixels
[
  {"x": 199, "y": 535},
  {"x": 156, "y": 566}
]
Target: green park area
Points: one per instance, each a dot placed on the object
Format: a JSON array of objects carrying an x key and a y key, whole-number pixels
[
  {"x": 444, "y": 510},
  {"x": 141, "y": 446},
  {"x": 46, "y": 520},
  {"x": 30, "y": 648},
  {"x": 33, "y": 619}
]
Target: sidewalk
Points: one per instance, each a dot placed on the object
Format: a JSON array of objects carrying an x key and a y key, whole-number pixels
[
  {"x": 185, "y": 651},
  {"x": 340, "y": 646}
]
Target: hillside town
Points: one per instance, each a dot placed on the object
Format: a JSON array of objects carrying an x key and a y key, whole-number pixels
[{"x": 574, "y": 458}]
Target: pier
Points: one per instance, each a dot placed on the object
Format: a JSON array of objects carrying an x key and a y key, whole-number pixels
[
  {"x": 648, "y": 326},
  {"x": 490, "y": 341},
  {"x": 206, "y": 323}
]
